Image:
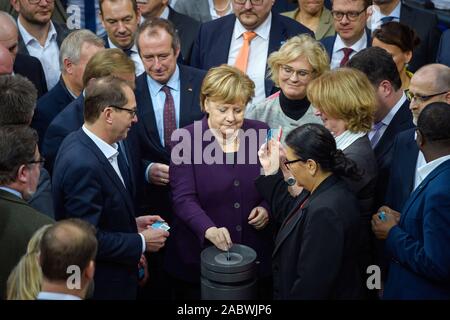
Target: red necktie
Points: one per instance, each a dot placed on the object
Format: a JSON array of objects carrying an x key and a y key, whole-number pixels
[
  {"x": 347, "y": 53},
  {"x": 170, "y": 122}
]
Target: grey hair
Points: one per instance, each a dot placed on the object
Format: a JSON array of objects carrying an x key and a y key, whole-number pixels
[{"x": 72, "y": 44}]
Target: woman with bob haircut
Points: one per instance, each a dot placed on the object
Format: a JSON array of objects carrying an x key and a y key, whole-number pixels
[
  {"x": 345, "y": 101},
  {"x": 300, "y": 60},
  {"x": 215, "y": 200},
  {"x": 317, "y": 245}
]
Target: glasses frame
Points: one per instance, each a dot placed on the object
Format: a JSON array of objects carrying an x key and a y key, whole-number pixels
[
  {"x": 40, "y": 161},
  {"x": 132, "y": 112},
  {"x": 356, "y": 13},
  {"x": 410, "y": 96},
  {"x": 289, "y": 74},
  {"x": 287, "y": 163},
  {"x": 243, "y": 2},
  {"x": 34, "y": 2}
]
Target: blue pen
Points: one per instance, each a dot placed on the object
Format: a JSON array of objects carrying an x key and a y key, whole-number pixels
[
  {"x": 268, "y": 138},
  {"x": 382, "y": 216}
]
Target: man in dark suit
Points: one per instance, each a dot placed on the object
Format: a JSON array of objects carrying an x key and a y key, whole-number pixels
[
  {"x": 17, "y": 104},
  {"x": 121, "y": 19},
  {"x": 24, "y": 65},
  {"x": 39, "y": 36},
  {"x": 350, "y": 19},
  {"x": 422, "y": 21},
  {"x": 186, "y": 27},
  {"x": 245, "y": 40},
  {"x": 392, "y": 114},
  {"x": 75, "y": 52},
  {"x": 103, "y": 63},
  {"x": 417, "y": 239},
  {"x": 97, "y": 188},
  {"x": 159, "y": 47},
  {"x": 20, "y": 162},
  {"x": 429, "y": 84}
]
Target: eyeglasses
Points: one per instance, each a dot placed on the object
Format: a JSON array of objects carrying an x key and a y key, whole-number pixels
[
  {"x": 37, "y": 1},
  {"x": 41, "y": 161},
  {"x": 287, "y": 163},
  {"x": 351, "y": 15},
  {"x": 287, "y": 71},
  {"x": 253, "y": 2},
  {"x": 410, "y": 96},
  {"x": 132, "y": 112}
]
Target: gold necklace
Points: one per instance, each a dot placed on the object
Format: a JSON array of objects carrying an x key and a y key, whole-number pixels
[{"x": 224, "y": 8}]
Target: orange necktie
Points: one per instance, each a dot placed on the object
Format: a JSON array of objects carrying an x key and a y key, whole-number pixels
[{"x": 242, "y": 58}]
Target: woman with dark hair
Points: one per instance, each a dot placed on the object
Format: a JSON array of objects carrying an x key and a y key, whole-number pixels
[
  {"x": 400, "y": 41},
  {"x": 316, "y": 248}
]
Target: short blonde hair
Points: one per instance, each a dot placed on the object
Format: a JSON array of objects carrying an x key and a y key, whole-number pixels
[
  {"x": 299, "y": 46},
  {"x": 345, "y": 94},
  {"x": 24, "y": 281},
  {"x": 226, "y": 84}
]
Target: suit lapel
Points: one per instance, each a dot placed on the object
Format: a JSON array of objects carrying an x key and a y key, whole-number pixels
[
  {"x": 186, "y": 97},
  {"x": 410, "y": 160},
  {"x": 224, "y": 41},
  {"x": 107, "y": 167}
]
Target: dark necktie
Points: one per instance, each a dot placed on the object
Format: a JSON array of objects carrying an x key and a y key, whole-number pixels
[
  {"x": 128, "y": 52},
  {"x": 347, "y": 53},
  {"x": 89, "y": 15},
  {"x": 124, "y": 167},
  {"x": 170, "y": 122},
  {"x": 387, "y": 19}
]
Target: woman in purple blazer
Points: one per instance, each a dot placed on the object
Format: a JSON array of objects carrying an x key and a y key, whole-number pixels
[{"x": 213, "y": 166}]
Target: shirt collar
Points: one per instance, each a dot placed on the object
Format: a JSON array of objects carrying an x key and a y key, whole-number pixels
[
  {"x": 173, "y": 83},
  {"x": 164, "y": 15},
  {"x": 262, "y": 31},
  {"x": 345, "y": 139},
  {"x": 43, "y": 295},
  {"x": 388, "y": 118},
  {"x": 27, "y": 37},
  {"x": 112, "y": 46},
  {"x": 357, "y": 46},
  {"x": 110, "y": 151},
  {"x": 14, "y": 192},
  {"x": 425, "y": 170}
]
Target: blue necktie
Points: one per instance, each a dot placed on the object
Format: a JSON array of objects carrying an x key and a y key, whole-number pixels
[
  {"x": 387, "y": 19},
  {"x": 89, "y": 15}
]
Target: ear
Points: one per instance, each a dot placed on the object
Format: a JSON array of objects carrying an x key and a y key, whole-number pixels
[
  {"x": 90, "y": 270},
  {"x": 15, "y": 4},
  {"x": 312, "y": 167},
  {"x": 22, "y": 174},
  {"x": 385, "y": 88},
  {"x": 447, "y": 97},
  {"x": 408, "y": 56},
  {"x": 108, "y": 114},
  {"x": 177, "y": 53},
  {"x": 138, "y": 16},
  {"x": 419, "y": 140},
  {"x": 68, "y": 65},
  {"x": 207, "y": 106}
]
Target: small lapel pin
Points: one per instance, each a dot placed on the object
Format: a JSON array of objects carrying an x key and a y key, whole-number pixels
[{"x": 189, "y": 89}]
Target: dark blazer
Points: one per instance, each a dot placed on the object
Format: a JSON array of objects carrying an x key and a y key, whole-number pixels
[
  {"x": 383, "y": 150},
  {"x": 187, "y": 29},
  {"x": 42, "y": 199},
  {"x": 68, "y": 120},
  {"x": 18, "y": 222},
  {"x": 31, "y": 68},
  {"x": 90, "y": 189},
  {"x": 403, "y": 170},
  {"x": 444, "y": 48},
  {"x": 219, "y": 194},
  {"x": 214, "y": 39},
  {"x": 151, "y": 149},
  {"x": 61, "y": 34},
  {"x": 425, "y": 24},
  {"x": 316, "y": 248},
  {"x": 328, "y": 42},
  {"x": 420, "y": 265},
  {"x": 48, "y": 107}
]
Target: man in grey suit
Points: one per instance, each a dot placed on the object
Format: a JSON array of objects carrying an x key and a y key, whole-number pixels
[{"x": 20, "y": 164}]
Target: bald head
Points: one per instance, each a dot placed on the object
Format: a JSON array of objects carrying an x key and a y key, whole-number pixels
[
  {"x": 6, "y": 61},
  {"x": 436, "y": 75},
  {"x": 9, "y": 34}
]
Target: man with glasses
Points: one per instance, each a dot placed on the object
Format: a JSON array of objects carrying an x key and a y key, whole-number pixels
[
  {"x": 245, "y": 40},
  {"x": 20, "y": 164},
  {"x": 91, "y": 181},
  {"x": 39, "y": 36},
  {"x": 429, "y": 84},
  {"x": 350, "y": 19}
]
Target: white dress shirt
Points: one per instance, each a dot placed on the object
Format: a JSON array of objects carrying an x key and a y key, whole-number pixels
[
  {"x": 48, "y": 54},
  {"x": 259, "y": 47},
  {"x": 388, "y": 118},
  {"x": 213, "y": 12},
  {"x": 345, "y": 139},
  {"x": 374, "y": 21},
  {"x": 425, "y": 170},
  {"x": 338, "y": 53},
  {"x": 111, "y": 153},
  {"x": 163, "y": 15},
  {"x": 43, "y": 295},
  {"x": 134, "y": 56}
]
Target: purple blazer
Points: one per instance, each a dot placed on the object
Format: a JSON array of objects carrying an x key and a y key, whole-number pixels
[{"x": 221, "y": 195}]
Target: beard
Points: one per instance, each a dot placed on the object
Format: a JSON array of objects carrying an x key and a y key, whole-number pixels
[{"x": 30, "y": 18}]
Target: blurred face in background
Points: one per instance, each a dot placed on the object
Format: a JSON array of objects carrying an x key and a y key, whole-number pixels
[
  {"x": 349, "y": 28},
  {"x": 312, "y": 7},
  {"x": 400, "y": 58}
]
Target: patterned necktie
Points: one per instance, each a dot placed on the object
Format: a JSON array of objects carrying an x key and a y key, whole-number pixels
[
  {"x": 347, "y": 53},
  {"x": 376, "y": 136},
  {"x": 386, "y": 19},
  {"x": 242, "y": 58},
  {"x": 170, "y": 122}
]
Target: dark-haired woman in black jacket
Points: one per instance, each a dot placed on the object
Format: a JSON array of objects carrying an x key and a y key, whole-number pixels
[{"x": 316, "y": 247}]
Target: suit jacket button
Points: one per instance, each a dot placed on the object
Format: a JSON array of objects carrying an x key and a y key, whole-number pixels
[
  {"x": 237, "y": 205},
  {"x": 238, "y": 228},
  {"x": 236, "y": 183}
]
